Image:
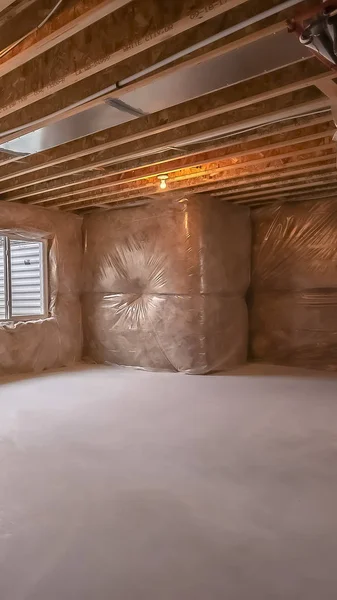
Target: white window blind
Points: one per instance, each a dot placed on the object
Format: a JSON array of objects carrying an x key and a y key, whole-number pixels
[{"x": 22, "y": 278}]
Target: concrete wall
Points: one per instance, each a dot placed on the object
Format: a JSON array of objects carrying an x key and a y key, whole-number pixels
[{"x": 57, "y": 340}]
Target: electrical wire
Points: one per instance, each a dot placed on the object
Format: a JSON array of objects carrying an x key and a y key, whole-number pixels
[{"x": 50, "y": 14}]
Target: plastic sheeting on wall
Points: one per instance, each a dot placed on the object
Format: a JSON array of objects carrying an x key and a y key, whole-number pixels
[
  {"x": 294, "y": 284},
  {"x": 165, "y": 284},
  {"x": 55, "y": 341}
]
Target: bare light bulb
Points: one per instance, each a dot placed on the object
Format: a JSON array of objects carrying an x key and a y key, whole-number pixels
[{"x": 163, "y": 179}]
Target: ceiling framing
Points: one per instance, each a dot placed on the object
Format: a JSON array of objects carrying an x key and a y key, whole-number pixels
[{"x": 258, "y": 140}]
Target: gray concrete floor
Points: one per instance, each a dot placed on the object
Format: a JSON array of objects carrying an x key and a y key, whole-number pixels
[{"x": 124, "y": 485}]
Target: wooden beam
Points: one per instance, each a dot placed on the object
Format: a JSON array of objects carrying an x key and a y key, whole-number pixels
[
  {"x": 67, "y": 21},
  {"x": 119, "y": 36},
  {"x": 282, "y": 107},
  {"x": 319, "y": 134},
  {"x": 74, "y": 98}
]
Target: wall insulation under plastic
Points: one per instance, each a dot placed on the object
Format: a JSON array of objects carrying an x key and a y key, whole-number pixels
[
  {"x": 56, "y": 340},
  {"x": 164, "y": 286},
  {"x": 293, "y": 316}
]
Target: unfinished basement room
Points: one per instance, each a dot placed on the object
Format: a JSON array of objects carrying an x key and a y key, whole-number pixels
[{"x": 168, "y": 299}]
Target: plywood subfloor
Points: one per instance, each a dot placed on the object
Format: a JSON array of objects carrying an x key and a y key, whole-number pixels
[{"x": 125, "y": 485}]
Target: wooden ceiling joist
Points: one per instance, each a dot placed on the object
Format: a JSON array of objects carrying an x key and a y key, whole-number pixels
[
  {"x": 165, "y": 162},
  {"x": 310, "y": 165},
  {"x": 69, "y": 19},
  {"x": 281, "y": 107},
  {"x": 75, "y": 98},
  {"x": 169, "y": 161},
  {"x": 192, "y": 187},
  {"x": 119, "y": 36},
  {"x": 5, "y": 4},
  {"x": 320, "y": 194},
  {"x": 318, "y": 133},
  {"x": 324, "y": 163},
  {"x": 264, "y": 139},
  {"x": 285, "y": 80},
  {"x": 263, "y": 189},
  {"x": 305, "y": 169},
  {"x": 285, "y": 191},
  {"x": 217, "y": 171}
]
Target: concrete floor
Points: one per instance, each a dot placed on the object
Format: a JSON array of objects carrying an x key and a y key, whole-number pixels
[{"x": 123, "y": 485}]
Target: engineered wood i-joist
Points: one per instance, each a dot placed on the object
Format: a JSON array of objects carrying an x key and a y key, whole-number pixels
[
  {"x": 259, "y": 126},
  {"x": 285, "y": 106},
  {"x": 258, "y": 162},
  {"x": 191, "y": 155},
  {"x": 165, "y": 162},
  {"x": 252, "y": 190},
  {"x": 321, "y": 164},
  {"x": 70, "y": 18},
  {"x": 192, "y": 187},
  {"x": 5, "y": 4},
  {"x": 286, "y": 79},
  {"x": 120, "y": 35},
  {"x": 316, "y": 134},
  {"x": 320, "y": 195},
  {"x": 192, "y": 183},
  {"x": 291, "y": 174},
  {"x": 73, "y": 99},
  {"x": 283, "y": 191},
  {"x": 20, "y": 21},
  {"x": 312, "y": 164},
  {"x": 307, "y": 168},
  {"x": 328, "y": 186}
]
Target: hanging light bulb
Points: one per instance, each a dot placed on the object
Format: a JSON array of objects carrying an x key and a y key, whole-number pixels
[{"x": 163, "y": 179}]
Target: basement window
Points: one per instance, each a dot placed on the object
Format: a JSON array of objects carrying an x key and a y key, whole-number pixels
[{"x": 23, "y": 278}]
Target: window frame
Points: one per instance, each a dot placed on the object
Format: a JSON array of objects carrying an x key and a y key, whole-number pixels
[{"x": 7, "y": 277}]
